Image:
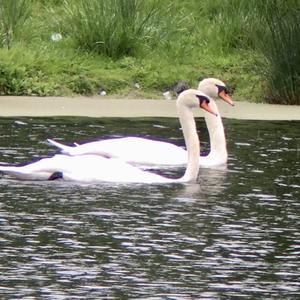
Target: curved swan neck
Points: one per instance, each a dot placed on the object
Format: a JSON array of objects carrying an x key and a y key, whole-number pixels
[
  {"x": 216, "y": 131},
  {"x": 192, "y": 142}
]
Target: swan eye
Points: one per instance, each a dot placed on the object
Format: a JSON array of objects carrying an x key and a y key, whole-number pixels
[
  {"x": 222, "y": 88},
  {"x": 202, "y": 99}
]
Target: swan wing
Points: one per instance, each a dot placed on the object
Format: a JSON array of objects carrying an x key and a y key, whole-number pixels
[
  {"x": 134, "y": 150},
  {"x": 83, "y": 168},
  {"x": 93, "y": 169}
]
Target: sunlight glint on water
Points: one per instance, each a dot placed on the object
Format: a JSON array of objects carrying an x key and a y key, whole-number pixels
[{"x": 234, "y": 234}]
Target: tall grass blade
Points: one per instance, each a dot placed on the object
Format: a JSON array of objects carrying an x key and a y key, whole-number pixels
[
  {"x": 13, "y": 14},
  {"x": 281, "y": 48},
  {"x": 114, "y": 28}
]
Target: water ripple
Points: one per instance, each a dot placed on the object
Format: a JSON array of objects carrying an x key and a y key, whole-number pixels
[{"x": 233, "y": 235}]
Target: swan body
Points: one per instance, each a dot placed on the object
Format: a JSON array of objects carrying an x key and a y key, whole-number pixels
[
  {"x": 134, "y": 150},
  {"x": 143, "y": 151},
  {"x": 85, "y": 169},
  {"x": 96, "y": 168}
]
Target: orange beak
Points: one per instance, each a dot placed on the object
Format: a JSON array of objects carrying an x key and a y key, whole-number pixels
[
  {"x": 204, "y": 105},
  {"x": 224, "y": 96}
]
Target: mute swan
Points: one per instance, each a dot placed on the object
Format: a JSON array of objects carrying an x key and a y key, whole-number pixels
[
  {"x": 144, "y": 151},
  {"x": 93, "y": 168}
]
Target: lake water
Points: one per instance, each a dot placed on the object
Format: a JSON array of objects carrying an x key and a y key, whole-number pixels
[{"x": 234, "y": 235}]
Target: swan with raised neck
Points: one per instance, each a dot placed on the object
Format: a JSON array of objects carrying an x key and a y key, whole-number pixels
[
  {"x": 144, "y": 151},
  {"x": 93, "y": 168},
  {"x": 218, "y": 155}
]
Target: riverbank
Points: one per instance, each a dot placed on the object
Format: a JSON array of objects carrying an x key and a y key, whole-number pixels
[{"x": 100, "y": 107}]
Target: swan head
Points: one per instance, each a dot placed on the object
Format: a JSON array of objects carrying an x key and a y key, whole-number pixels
[
  {"x": 194, "y": 99},
  {"x": 215, "y": 88}
]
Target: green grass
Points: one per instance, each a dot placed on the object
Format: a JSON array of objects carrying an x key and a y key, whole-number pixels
[
  {"x": 114, "y": 44},
  {"x": 13, "y": 15},
  {"x": 281, "y": 49}
]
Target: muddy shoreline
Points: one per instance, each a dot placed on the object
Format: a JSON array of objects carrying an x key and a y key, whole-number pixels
[{"x": 100, "y": 107}]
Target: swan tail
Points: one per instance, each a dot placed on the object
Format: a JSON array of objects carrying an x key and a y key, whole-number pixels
[
  {"x": 23, "y": 173},
  {"x": 64, "y": 148},
  {"x": 81, "y": 149},
  {"x": 13, "y": 171},
  {"x": 6, "y": 168}
]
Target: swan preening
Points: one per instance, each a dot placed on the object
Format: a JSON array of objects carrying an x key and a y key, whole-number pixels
[
  {"x": 142, "y": 151},
  {"x": 96, "y": 168}
]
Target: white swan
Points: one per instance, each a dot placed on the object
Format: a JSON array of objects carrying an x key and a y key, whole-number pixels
[
  {"x": 144, "y": 151},
  {"x": 93, "y": 168}
]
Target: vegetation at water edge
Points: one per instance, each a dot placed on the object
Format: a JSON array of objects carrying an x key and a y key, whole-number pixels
[{"x": 141, "y": 48}]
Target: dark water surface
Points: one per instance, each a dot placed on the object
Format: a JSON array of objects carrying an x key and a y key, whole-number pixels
[{"x": 235, "y": 235}]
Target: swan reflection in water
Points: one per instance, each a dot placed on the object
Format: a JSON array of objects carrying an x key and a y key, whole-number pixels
[{"x": 211, "y": 182}]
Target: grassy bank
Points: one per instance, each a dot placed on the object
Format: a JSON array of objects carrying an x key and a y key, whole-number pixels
[{"x": 142, "y": 48}]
